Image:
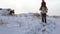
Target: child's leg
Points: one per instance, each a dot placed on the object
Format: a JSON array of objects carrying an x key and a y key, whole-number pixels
[
  {"x": 42, "y": 17},
  {"x": 45, "y": 18}
]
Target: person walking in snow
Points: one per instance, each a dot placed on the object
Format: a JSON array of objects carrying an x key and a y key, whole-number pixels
[{"x": 43, "y": 10}]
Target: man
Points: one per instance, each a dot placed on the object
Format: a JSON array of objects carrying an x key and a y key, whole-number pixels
[{"x": 43, "y": 9}]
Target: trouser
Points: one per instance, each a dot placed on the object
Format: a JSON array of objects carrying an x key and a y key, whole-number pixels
[{"x": 43, "y": 17}]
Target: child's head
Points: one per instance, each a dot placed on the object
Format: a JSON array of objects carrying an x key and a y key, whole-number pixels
[{"x": 42, "y": 0}]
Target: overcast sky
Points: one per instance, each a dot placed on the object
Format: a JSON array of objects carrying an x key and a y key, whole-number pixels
[{"x": 26, "y": 6}]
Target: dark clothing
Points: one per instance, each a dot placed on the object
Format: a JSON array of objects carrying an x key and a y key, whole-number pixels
[{"x": 43, "y": 17}]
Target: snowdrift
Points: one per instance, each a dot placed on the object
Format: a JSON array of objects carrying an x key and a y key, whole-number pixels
[{"x": 26, "y": 24}]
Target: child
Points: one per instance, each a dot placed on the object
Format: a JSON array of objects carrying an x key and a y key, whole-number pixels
[{"x": 43, "y": 9}]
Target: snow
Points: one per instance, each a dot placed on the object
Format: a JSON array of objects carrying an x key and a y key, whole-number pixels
[
  {"x": 5, "y": 11},
  {"x": 28, "y": 24}
]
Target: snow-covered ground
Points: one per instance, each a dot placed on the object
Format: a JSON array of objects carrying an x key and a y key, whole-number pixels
[{"x": 28, "y": 24}]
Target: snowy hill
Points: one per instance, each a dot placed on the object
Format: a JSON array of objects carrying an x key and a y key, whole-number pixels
[{"x": 28, "y": 24}]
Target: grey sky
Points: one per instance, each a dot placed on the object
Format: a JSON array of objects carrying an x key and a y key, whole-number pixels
[{"x": 25, "y": 6}]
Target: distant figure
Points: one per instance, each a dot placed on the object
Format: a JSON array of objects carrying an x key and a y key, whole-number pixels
[
  {"x": 11, "y": 12},
  {"x": 43, "y": 9},
  {"x": 7, "y": 11}
]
